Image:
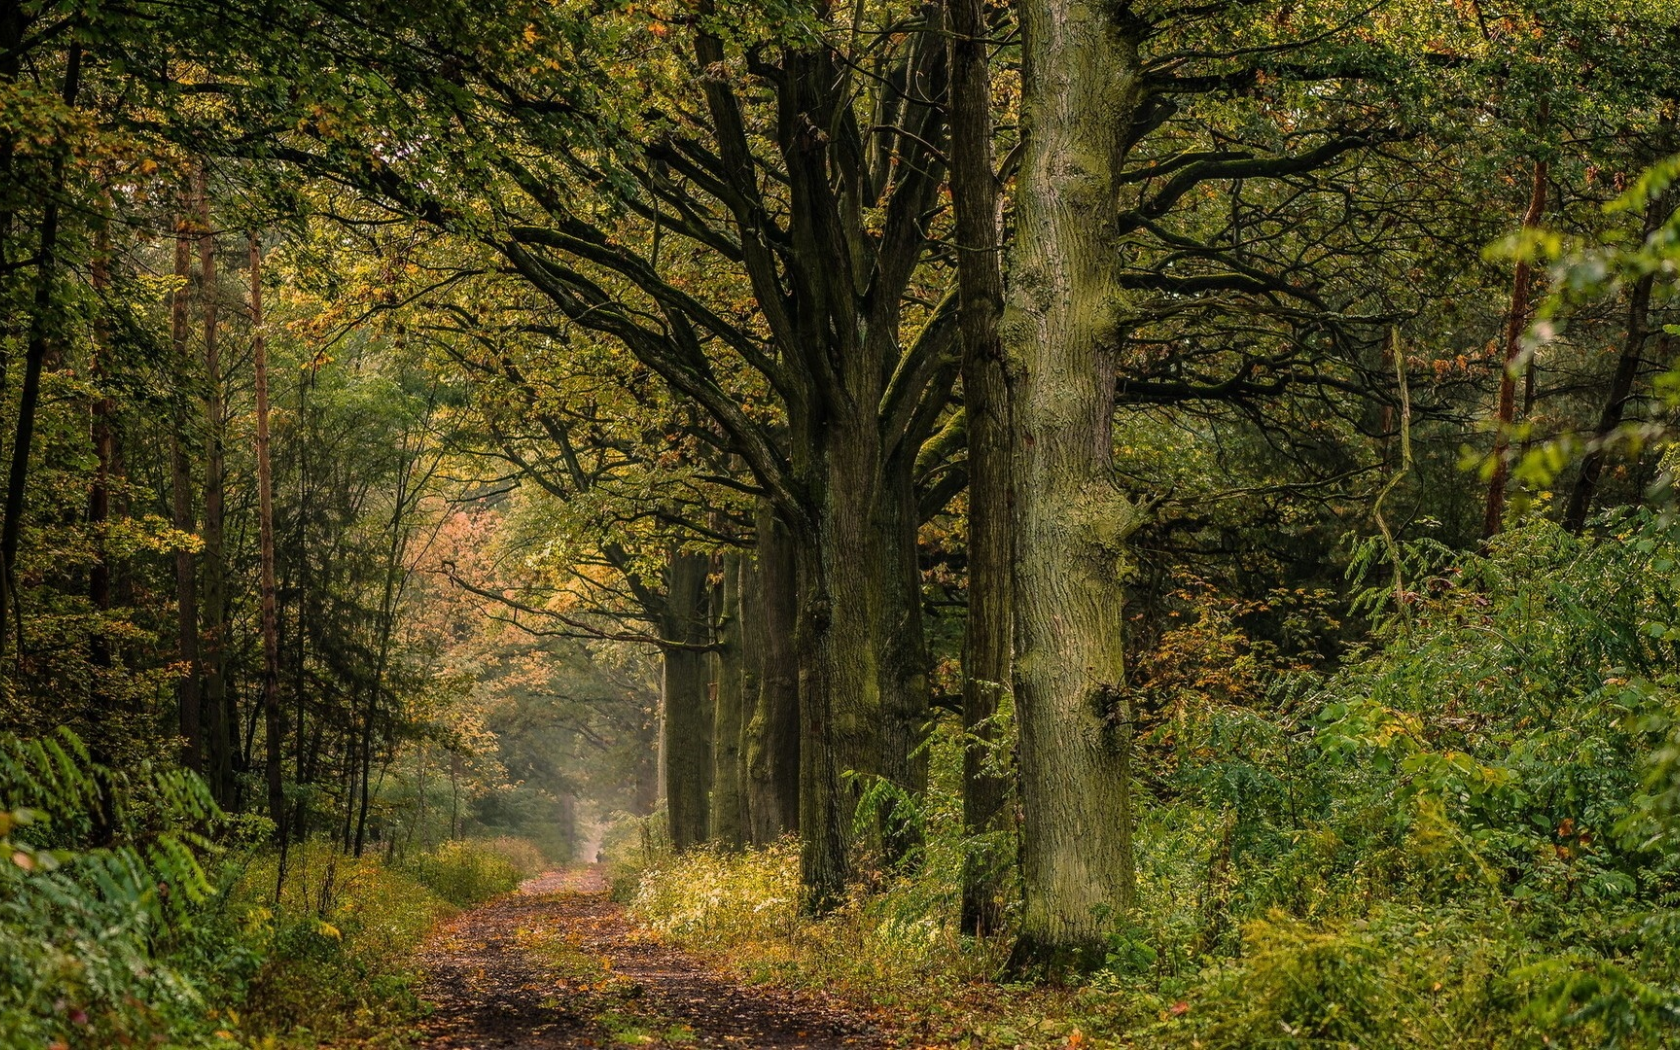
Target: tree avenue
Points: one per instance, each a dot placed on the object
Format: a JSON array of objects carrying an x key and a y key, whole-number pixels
[{"x": 1174, "y": 499}]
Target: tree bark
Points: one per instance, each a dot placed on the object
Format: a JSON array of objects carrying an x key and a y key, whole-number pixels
[
  {"x": 1515, "y": 320},
  {"x": 987, "y": 652},
  {"x": 773, "y": 737},
  {"x": 214, "y": 625},
  {"x": 103, "y": 431},
  {"x": 824, "y": 820},
  {"x": 1621, "y": 382},
  {"x": 752, "y": 677},
  {"x": 902, "y": 645},
  {"x": 181, "y": 500},
  {"x": 274, "y": 728},
  {"x": 728, "y": 815},
  {"x": 1060, "y": 329},
  {"x": 686, "y": 743}
]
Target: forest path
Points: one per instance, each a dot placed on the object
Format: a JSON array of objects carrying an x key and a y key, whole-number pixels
[{"x": 557, "y": 964}]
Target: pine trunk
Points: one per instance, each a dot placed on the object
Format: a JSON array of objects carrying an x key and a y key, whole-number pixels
[
  {"x": 181, "y": 501},
  {"x": 103, "y": 431},
  {"x": 273, "y": 720},
  {"x": 214, "y": 626}
]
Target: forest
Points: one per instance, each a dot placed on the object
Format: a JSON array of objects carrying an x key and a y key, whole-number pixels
[{"x": 1012, "y": 524}]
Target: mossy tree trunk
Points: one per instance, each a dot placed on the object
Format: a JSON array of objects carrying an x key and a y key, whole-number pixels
[
  {"x": 769, "y": 608},
  {"x": 1061, "y": 327},
  {"x": 901, "y": 641},
  {"x": 686, "y": 724},
  {"x": 728, "y": 813}
]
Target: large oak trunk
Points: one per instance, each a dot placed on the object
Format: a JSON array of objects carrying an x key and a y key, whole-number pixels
[
  {"x": 863, "y": 675},
  {"x": 903, "y": 660},
  {"x": 1060, "y": 328}
]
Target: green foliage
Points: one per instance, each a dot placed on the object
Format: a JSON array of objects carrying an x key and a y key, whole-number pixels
[
  {"x": 465, "y": 873},
  {"x": 106, "y": 909},
  {"x": 124, "y": 922},
  {"x": 340, "y": 946},
  {"x": 1466, "y": 836},
  {"x": 1460, "y": 837}
]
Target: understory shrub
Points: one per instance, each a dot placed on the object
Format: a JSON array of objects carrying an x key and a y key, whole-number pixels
[
  {"x": 343, "y": 936},
  {"x": 469, "y": 871},
  {"x": 109, "y": 934},
  {"x": 134, "y": 913},
  {"x": 1465, "y": 835}
]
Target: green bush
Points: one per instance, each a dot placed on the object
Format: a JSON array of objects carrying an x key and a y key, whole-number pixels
[
  {"x": 338, "y": 946},
  {"x": 1467, "y": 835},
  {"x": 133, "y": 912},
  {"x": 467, "y": 872},
  {"x": 108, "y": 930}
]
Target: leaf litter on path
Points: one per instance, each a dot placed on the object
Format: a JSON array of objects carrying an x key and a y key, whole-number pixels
[{"x": 557, "y": 965}]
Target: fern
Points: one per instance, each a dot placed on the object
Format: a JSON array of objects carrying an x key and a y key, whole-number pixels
[{"x": 102, "y": 888}]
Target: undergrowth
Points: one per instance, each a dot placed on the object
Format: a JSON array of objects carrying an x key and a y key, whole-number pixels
[
  {"x": 133, "y": 912},
  {"x": 1464, "y": 836}
]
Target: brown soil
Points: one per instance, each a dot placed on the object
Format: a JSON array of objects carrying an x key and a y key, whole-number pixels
[{"x": 493, "y": 988}]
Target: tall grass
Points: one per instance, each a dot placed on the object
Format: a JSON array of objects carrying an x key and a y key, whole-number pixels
[{"x": 341, "y": 941}]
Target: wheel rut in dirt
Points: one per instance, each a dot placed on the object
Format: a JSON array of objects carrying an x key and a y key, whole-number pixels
[{"x": 557, "y": 964}]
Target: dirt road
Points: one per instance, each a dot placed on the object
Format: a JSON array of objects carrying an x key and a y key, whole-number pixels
[{"x": 559, "y": 965}]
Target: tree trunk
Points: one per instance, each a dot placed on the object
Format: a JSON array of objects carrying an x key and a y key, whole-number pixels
[
  {"x": 772, "y": 734},
  {"x": 823, "y": 818},
  {"x": 842, "y": 588},
  {"x": 752, "y": 677},
  {"x": 1515, "y": 320},
  {"x": 728, "y": 816},
  {"x": 43, "y": 330},
  {"x": 1060, "y": 329},
  {"x": 686, "y": 742},
  {"x": 103, "y": 431},
  {"x": 1621, "y": 383},
  {"x": 273, "y": 720},
  {"x": 214, "y": 626},
  {"x": 181, "y": 498},
  {"x": 987, "y": 632},
  {"x": 903, "y": 652}
]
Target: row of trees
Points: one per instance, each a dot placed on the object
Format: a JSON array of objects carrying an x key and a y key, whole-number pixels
[{"x": 769, "y": 337}]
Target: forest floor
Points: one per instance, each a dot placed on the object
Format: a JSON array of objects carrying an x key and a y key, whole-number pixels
[{"x": 558, "y": 964}]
